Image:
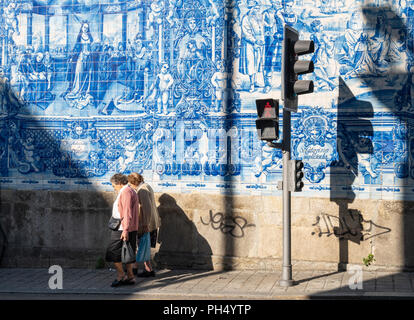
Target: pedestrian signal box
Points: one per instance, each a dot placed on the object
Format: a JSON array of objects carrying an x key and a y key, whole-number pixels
[
  {"x": 267, "y": 123},
  {"x": 296, "y": 175}
]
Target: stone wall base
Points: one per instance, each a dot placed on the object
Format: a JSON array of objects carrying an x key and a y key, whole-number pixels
[{"x": 209, "y": 231}]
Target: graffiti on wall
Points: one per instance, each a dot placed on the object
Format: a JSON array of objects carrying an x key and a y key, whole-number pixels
[
  {"x": 351, "y": 226},
  {"x": 234, "y": 226}
]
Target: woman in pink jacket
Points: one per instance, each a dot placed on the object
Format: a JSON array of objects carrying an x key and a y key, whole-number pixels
[{"x": 125, "y": 208}]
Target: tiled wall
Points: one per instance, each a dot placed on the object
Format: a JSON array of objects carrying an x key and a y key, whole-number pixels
[{"x": 167, "y": 88}]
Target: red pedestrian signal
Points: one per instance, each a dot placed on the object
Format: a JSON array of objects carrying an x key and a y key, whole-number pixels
[{"x": 267, "y": 123}]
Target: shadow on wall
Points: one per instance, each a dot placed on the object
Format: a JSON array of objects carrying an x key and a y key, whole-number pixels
[
  {"x": 39, "y": 227},
  {"x": 181, "y": 246},
  {"x": 354, "y": 147},
  {"x": 390, "y": 78},
  {"x": 381, "y": 57}
]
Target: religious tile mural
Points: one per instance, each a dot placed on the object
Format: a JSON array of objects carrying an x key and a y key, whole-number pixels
[{"x": 167, "y": 88}]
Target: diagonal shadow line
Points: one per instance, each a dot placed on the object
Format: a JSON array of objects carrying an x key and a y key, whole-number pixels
[
  {"x": 384, "y": 287},
  {"x": 3, "y": 241},
  {"x": 318, "y": 277},
  {"x": 164, "y": 282}
]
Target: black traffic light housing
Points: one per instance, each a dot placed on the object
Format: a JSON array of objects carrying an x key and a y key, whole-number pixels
[
  {"x": 296, "y": 175},
  {"x": 291, "y": 68},
  {"x": 267, "y": 123}
]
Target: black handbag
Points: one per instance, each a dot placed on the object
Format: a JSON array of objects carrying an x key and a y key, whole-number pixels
[
  {"x": 153, "y": 237},
  {"x": 127, "y": 254},
  {"x": 114, "y": 223}
]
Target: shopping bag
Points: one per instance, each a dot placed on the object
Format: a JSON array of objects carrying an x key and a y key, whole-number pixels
[{"x": 127, "y": 254}]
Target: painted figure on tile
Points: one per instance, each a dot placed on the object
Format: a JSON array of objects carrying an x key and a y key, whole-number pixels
[
  {"x": 80, "y": 70},
  {"x": 364, "y": 152},
  {"x": 326, "y": 68},
  {"x": 353, "y": 53},
  {"x": 4, "y": 90},
  {"x": 273, "y": 28},
  {"x": 220, "y": 82},
  {"x": 25, "y": 72},
  {"x": 363, "y": 149},
  {"x": 191, "y": 31},
  {"x": 187, "y": 64},
  {"x": 14, "y": 144},
  {"x": 268, "y": 160},
  {"x": 106, "y": 72},
  {"x": 40, "y": 83},
  {"x": 155, "y": 16},
  {"x": 48, "y": 62},
  {"x": 10, "y": 18},
  {"x": 408, "y": 16},
  {"x": 172, "y": 15},
  {"x": 212, "y": 13},
  {"x": 130, "y": 150},
  {"x": 141, "y": 57},
  {"x": 159, "y": 92},
  {"x": 119, "y": 60},
  {"x": 389, "y": 49},
  {"x": 404, "y": 98},
  {"x": 31, "y": 158},
  {"x": 163, "y": 153},
  {"x": 289, "y": 15},
  {"x": 145, "y": 143},
  {"x": 252, "y": 44},
  {"x": 9, "y": 100},
  {"x": 192, "y": 85},
  {"x": 23, "y": 152},
  {"x": 327, "y": 7},
  {"x": 16, "y": 78},
  {"x": 32, "y": 78}
]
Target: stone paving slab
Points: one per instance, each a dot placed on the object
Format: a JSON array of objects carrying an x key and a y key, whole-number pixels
[{"x": 193, "y": 284}]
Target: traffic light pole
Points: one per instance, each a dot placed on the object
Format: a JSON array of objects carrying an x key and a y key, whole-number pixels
[
  {"x": 268, "y": 130},
  {"x": 286, "y": 280}
]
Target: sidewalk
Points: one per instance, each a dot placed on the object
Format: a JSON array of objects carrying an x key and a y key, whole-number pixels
[{"x": 203, "y": 285}]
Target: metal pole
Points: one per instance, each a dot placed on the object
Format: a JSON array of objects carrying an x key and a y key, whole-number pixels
[{"x": 286, "y": 280}]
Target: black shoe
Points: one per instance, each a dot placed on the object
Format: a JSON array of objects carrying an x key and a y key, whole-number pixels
[
  {"x": 146, "y": 274},
  {"x": 117, "y": 283}
]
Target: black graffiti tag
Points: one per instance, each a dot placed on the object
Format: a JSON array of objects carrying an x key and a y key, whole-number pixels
[
  {"x": 228, "y": 225},
  {"x": 353, "y": 225}
]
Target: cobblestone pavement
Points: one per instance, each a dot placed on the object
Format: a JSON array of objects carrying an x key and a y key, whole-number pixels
[{"x": 191, "y": 284}]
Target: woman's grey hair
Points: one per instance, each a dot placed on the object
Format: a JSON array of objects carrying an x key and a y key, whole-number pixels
[{"x": 119, "y": 179}]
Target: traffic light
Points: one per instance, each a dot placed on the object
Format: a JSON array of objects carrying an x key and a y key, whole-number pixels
[
  {"x": 296, "y": 175},
  {"x": 267, "y": 123},
  {"x": 292, "y": 67}
]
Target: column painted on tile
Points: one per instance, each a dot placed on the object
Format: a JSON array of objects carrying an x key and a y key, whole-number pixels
[
  {"x": 100, "y": 25},
  {"x": 47, "y": 31},
  {"x": 124, "y": 24},
  {"x": 29, "y": 28}
]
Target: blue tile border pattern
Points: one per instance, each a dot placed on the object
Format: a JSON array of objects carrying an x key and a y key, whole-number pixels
[{"x": 167, "y": 88}]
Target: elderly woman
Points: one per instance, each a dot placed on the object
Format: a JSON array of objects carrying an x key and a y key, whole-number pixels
[
  {"x": 149, "y": 221},
  {"x": 125, "y": 208}
]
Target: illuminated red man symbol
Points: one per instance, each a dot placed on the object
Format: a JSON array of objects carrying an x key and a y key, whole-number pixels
[{"x": 268, "y": 112}]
